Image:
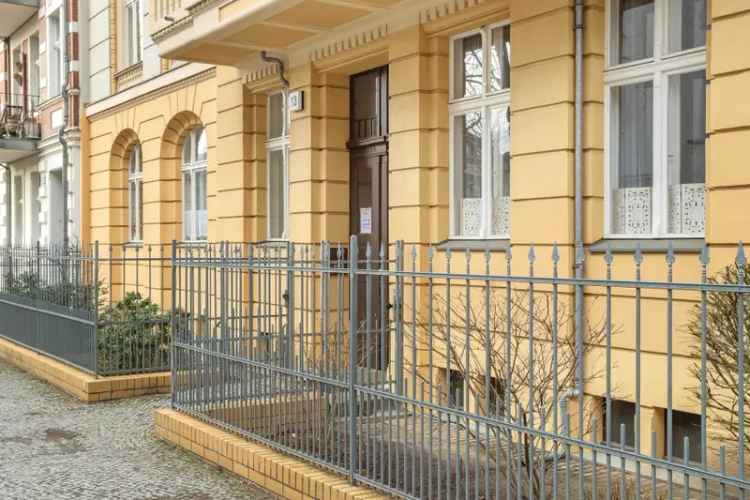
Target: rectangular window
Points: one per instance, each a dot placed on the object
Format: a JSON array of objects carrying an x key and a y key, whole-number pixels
[
  {"x": 496, "y": 397},
  {"x": 480, "y": 134},
  {"x": 277, "y": 153},
  {"x": 623, "y": 424},
  {"x": 18, "y": 210},
  {"x": 686, "y": 436},
  {"x": 456, "y": 390},
  {"x": 34, "y": 73},
  {"x": 55, "y": 54},
  {"x": 656, "y": 107},
  {"x": 132, "y": 32}
]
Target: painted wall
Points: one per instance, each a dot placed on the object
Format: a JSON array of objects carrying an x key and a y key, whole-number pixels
[{"x": 232, "y": 105}]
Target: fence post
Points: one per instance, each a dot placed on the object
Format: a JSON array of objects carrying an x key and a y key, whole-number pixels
[
  {"x": 353, "y": 321},
  {"x": 289, "y": 304},
  {"x": 398, "y": 317},
  {"x": 96, "y": 308},
  {"x": 173, "y": 328}
]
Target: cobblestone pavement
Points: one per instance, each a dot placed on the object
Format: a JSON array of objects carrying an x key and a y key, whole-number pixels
[{"x": 52, "y": 446}]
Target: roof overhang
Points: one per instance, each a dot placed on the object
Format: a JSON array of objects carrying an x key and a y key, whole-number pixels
[
  {"x": 230, "y": 32},
  {"x": 13, "y": 13}
]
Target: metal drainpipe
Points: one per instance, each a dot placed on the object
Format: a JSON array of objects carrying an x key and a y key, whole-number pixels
[
  {"x": 8, "y": 229},
  {"x": 63, "y": 128},
  {"x": 275, "y": 60},
  {"x": 579, "y": 252}
]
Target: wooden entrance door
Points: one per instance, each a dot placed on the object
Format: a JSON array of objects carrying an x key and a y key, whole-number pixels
[{"x": 368, "y": 210}]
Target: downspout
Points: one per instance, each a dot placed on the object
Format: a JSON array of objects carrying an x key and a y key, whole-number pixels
[
  {"x": 8, "y": 69},
  {"x": 8, "y": 229},
  {"x": 579, "y": 251},
  {"x": 63, "y": 127},
  {"x": 278, "y": 62}
]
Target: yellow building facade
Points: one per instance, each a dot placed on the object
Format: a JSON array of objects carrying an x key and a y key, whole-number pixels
[{"x": 327, "y": 48}]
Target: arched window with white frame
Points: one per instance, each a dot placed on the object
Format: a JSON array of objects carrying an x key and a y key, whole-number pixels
[
  {"x": 655, "y": 108},
  {"x": 277, "y": 160},
  {"x": 194, "y": 189},
  {"x": 479, "y": 110},
  {"x": 135, "y": 195}
]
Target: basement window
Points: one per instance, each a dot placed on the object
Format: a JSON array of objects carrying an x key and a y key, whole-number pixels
[
  {"x": 622, "y": 419},
  {"x": 685, "y": 425},
  {"x": 479, "y": 112}
]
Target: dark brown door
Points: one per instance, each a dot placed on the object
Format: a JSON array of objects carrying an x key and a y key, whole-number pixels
[{"x": 368, "y": 219}]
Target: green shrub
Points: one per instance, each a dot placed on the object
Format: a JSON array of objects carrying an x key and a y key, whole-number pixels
[{"x": 133, "y": 334}]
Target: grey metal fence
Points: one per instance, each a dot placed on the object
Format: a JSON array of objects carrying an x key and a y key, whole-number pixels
[
  {"x": 102, "y": 308},
  {"x": 432, "y": 374}
]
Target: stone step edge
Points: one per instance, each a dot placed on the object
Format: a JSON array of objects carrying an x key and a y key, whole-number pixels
[{"x": 282, "y": 475}]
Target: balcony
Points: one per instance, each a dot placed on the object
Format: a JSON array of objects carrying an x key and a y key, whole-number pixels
[
  {"x": 228, "y": 32},
  {"x": 14, "y": 13},
  {"x": 20, "y": 130}
]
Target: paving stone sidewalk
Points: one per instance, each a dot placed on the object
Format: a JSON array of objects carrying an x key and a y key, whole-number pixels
[{"x": 52, "y": 446}]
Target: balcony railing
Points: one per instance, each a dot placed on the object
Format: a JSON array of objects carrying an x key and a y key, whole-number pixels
[{"x": 19, "y": 116}]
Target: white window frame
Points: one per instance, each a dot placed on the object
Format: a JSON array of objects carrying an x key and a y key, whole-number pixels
[
  {"x": 657, "y": 69},
  {"x": 192, "y": 167},
  {"x": 55, "y": 51},
  {"x": 280, "y": 143},
  {"x": 131, "y": 40},
  {"x": 135, "y": 183},
  {"x": 483, "y": 104}
]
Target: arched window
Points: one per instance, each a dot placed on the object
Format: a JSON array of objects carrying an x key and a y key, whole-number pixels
[
  {"x": 135, "y": 195},
  {"x": 194, "y": 194}
]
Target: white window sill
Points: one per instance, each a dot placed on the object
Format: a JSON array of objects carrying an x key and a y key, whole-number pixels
[{"x": 648, "y": 245}]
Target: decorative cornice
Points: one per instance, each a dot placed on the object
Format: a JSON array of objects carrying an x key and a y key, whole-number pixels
[
  {"x": 349, "y": 42},
  {"x": 444, "y": 9},
  {"x": 261, "y": 72},
  {"x": 128, "y": 75}
]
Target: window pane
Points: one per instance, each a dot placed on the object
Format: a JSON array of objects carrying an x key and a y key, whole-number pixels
[
  {"x": 687, "y": 24},
  {"x": 187, "y": 206},
  {"x": 276, "y": 193},
  {"x": 636, "y": 30},
  {"x": 275, "y": 116},
  {"x": 500, "y": 144},
  {"x": 500, "y": 59},
  {"x": 633, "y": 178},
  {"x": 687, "y": 153},
  {"x": 140, "y": 210},
  {"x": 133, "y": 209},
  {"x": 469, "y": 65},
  {"x": 186, "y": 145},
  {"x": 468, "y": 147},
  {"x": 201, "y": 204},
  {"x": 201, "y": 145}
]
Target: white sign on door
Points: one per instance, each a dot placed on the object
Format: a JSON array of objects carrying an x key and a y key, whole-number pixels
[{"x": 365, "y": 220}]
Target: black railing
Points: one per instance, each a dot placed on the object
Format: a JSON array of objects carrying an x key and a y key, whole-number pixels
[{"x": 19, "y": 116}]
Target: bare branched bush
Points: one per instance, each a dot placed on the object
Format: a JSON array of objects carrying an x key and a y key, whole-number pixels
[{"x": 518, "y": 357}]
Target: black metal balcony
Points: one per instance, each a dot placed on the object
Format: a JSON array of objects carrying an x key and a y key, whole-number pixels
[{"x": 20, "y": 130}]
